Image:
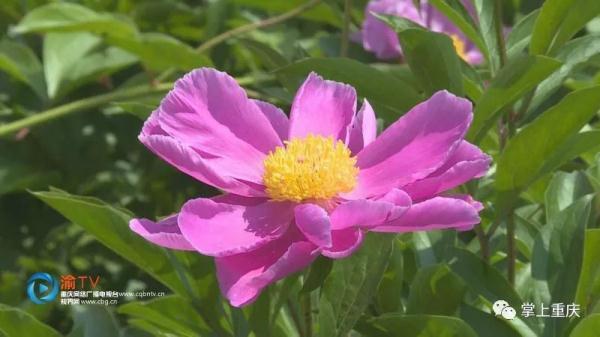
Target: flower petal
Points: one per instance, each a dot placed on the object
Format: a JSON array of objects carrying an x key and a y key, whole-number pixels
[
  {"x": 436, "y": 213},
  {"x": 164, "y": 233},
  {"x": 209, "y": 112},
  {"x": 313, "y": 222},
  {"x": 191, "y": 162},
  {"x": 366, "y": 213},
  {"x": 276, "y": 117},
  {"x": 414, "y": 146},
  {"x": 322, "y": 108},
  {"x": 379, "y": 37},
  {"x": 363, "y": 129},
  {"x": 243, "y": 276},
  {"x": 466, "y": 163},
  {"x": 218, "y": 228},
  {"x": 344, "y": 243}
]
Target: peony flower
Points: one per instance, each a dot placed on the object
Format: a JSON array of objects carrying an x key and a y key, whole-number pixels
[
  {"x": 310, "y": 185},
  {"x": 379, "y": 38}
]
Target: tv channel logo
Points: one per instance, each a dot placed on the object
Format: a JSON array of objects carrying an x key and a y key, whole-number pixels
[{"x": 42, "y": 288}]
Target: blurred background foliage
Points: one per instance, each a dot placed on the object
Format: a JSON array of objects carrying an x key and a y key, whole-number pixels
[{"x": 77, "y": 79}]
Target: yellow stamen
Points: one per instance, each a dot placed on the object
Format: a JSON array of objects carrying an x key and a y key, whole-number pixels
[
  {"x": 460, "y": 46},
  {"x": 315, "y": 168}
]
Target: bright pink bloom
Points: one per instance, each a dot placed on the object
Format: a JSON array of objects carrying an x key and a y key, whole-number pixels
[
  {"x": 265, "y": 227},
  {"x": 379, "y": 38}
]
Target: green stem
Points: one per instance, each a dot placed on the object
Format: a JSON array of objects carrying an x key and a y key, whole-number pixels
[
  {"x": 499, "y": 32},
  {"x": 483, "y": 242},
  {"x": 346, "y": 28},
  {"x": 296, "y": 318},
  {"x": 511, "y": 247},
  {"x": 81, "y": 105},
  {"x": 307, "y": 312}
]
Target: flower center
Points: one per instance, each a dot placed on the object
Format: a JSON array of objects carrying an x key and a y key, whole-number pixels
[
  {"x": 459, "y": 45},
  {"x": 314, "y": 167}
]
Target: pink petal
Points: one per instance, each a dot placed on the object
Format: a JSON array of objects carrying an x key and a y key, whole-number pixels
[
  {"x": 400, "y": 199},
  {"x": 366, "y": 213},
  {"x": 210, "y": 113},
  {"x": 322, "y": 108},
  {"x": 466, "y": 163},
  {"x": 313, "y": 222},
  {"x": 344, "y": 243},
  {"x": 164, "y": 233},
  {"x": 377, "y": 36},
  {"x": 363, "y": 129},
  {"x": 276, "y": 117},
  {"x": 436, "y": 213},
  {"x": 218, "y": 228},
  {"x": 192, "y": 163},
  {"x": 243, "y": 276},
  {"x": 414, "y": 146}
]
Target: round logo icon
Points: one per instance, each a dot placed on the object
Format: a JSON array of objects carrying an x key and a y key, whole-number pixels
[{"x": 42, "y": 288}]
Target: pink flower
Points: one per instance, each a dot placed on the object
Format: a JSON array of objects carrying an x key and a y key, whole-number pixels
[
  {"x": 311, "y": 184},
  {"x": 379, "y": 38}
]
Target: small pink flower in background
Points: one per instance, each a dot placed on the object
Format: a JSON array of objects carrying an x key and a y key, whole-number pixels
[
  {"x": 380, "y": 39},
  {"x": 310, "y": 185}
]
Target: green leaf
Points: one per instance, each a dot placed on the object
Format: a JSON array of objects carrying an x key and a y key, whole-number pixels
[
  {"x": 517, "y": 78},
  {"x": 317, "y": 273},
  {"x": 269, "y": 57},
  {"x": 578, "y": 15},
  {"x": 390, "y": 100},
  {"x": 525, "y": 155},
  {"x": 21, "y": 63},
  {"x": 110, "y": 226},
  {"x": 483, "y": 279},
  {"x": 575, "y": 146},
  {"x": 572, "y": 54},
  {"x": 547, "y": 24},
  {"x": 396, "y": 325},
  {"x": 557, "y": 256},
  {"x": 390, "y": 292},
  {"x": 435, "y": 290},
  {"x": 564, "y": 189},
  {"x": 558, "y": 21},
  {"x": 17, "y": 323},
  {"x": 587, "y": 327},
  {"x": 588, "y": 288},
  {"x": 520, "y": 35},
  {"x": 66, "y": 16},
  {"x": 433, "y": 60},
  {"x": 351, "y": 285},
  {"x": 397, "y": 23},
  {"x": 486, "y": 13},
  {"x": 484, "y": 322},
  {"x": 93, "y": 321},
  {"x": 172, "y": 314},
  {"x": 160, "y": 52},
  {"x": 71, "y": 59}
]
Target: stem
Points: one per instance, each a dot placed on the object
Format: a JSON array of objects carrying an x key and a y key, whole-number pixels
[
  {"x": 483, "y": 243},
  {"x": 346, "y": 28},
  {"x": 81, "y": 105},
  {"x": 499, "y": 32},
  {"x": 511, "y": 247},
  {"x": 307, "y": 312},
  {"x": 296, "y": 318}
]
